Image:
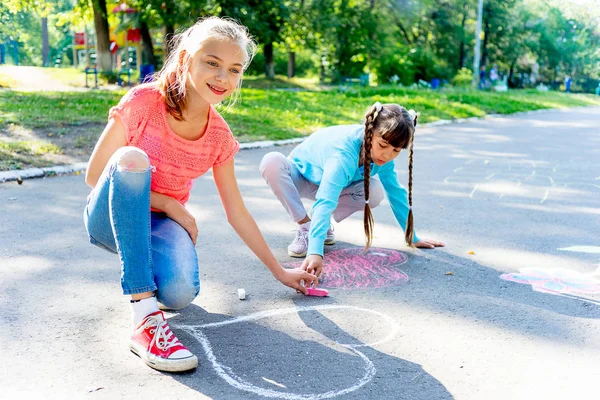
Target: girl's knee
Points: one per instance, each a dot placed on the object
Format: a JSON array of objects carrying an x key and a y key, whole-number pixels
[
  {"x": 177, "y": 295},
  {"x": 132, "y": 159},
  {"x": 271, "y": 163},
  {"x": 376, "y": 196}
]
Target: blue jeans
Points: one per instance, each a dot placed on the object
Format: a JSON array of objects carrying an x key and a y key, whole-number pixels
[{"x": 156, "y": 253}]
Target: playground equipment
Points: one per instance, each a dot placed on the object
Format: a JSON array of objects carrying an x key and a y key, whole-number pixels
[
  {"x": 56, "y": 53},
  {"x": 12, "y": 47},
  {"x": 81, "y": 43},
  {"x": 91, "y": 70},
  {"x": 126, "y": 37}
]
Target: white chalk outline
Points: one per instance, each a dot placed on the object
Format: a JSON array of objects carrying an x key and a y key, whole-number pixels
[{"x": 227, "y": 374}]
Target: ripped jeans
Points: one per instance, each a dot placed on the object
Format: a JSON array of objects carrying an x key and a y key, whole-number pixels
[{"x": 156, "y": 253}]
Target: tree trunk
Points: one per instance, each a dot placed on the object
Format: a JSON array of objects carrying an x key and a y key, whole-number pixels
[
  {"x": 461, "y": 51},
  {"x": 269, "y": 63},
  {"x": 45, "y": 44},
  {"x": 486, "y": 35},
  {"x": 147, "y": 47},
  {"x": 511, "y": 72},
  {"x": 103, "y": 58},
  {"x": 291, "y": 65},
  {"x": 169, "y": 33}
]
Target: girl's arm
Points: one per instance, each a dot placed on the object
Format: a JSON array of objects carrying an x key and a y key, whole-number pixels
[
  {"x": 336, "y": 176},
  {"x": 112, "y": 138},
  {"x": 245, "y": 226}
]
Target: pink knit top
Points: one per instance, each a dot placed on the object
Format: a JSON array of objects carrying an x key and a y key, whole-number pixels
[{"x": 176, "y": 161}]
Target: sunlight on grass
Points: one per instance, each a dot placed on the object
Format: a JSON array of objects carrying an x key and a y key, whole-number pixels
[
  {"x": 6, "y": 81},
  {"x": 32, "y": 147},
  {"x": 72, "y": 76},
  {"x": 280, "y": 82},
  {"x": 279, "y": 114}
]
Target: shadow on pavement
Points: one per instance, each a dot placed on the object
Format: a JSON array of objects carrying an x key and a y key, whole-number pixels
[{"x": 308, "y": 356}]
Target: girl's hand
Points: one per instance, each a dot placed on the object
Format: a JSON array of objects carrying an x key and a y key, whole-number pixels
[
  {"x": 313, "y": 264},
  {"x": 295, "y": 278},
  {"x": 177, "y": 212},
  {"x": 428, "y": 244}
]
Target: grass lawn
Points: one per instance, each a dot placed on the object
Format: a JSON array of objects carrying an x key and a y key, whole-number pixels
[
  {"x": 6, "y": 81},
  {"x": 65, "y": 123}
]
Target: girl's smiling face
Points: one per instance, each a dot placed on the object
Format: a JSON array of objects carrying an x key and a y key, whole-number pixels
[
  {"x": 381, "y": 151},
  {"x": 216, "y": 69}
]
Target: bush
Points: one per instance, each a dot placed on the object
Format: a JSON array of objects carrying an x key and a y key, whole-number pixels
[
  {"x": 463, "y": 78},
  {"x": 394, "y": 61},
  {"x": 304, "y": 63}
]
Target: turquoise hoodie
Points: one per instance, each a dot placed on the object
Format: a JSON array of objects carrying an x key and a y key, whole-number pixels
[{"x": 329, "y": 158}]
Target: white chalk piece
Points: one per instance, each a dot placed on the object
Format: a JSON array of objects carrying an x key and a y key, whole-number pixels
[{"x": 241, "y": 294}]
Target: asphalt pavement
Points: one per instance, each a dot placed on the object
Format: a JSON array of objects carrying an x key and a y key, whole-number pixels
[{"x": 516, "y": 199}]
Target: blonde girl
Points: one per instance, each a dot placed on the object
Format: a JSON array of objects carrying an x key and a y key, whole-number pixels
[{"x": 159, "y": 138}]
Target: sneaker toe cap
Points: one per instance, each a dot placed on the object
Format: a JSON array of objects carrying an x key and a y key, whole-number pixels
[{"x": 181, "y": 354}]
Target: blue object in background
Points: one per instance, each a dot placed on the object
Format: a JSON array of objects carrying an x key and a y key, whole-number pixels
[
  {"x": 435, "y": 83},
  {"x": 15, "y": 52},
  {"x": 364, "y": 79},
  {"x": 91, "y": 71},
  {"x": 567, "y": 84},
  {"x": 146, "y": 73},
  {"x": 2, "y": 53},
  {"x": 120, "y": 81}
]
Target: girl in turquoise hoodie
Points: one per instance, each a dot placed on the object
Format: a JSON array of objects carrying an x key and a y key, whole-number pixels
[{"x": 345, "y": 168}]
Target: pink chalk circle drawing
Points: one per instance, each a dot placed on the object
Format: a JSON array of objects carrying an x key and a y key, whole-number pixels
[
  {"x": 350, "y": 268},
  {"x": 556, "y": 281}
]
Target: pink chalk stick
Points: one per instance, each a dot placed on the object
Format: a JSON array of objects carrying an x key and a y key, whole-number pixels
[{"x": 317, "y": 292}]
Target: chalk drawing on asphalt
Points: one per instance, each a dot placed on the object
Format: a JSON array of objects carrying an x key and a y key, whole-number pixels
[
  {"x": 350, "y": 268},
  {"x": 229, "y": 376},
  {"x": 556, "y": 281}
]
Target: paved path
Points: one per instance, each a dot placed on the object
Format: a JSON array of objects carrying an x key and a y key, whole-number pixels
[
  {"x": 521, "y": 193},
  {"x": 33, "y": 79}
]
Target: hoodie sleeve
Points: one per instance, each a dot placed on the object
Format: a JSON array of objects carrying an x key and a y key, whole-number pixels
[{"x": 337, "y": 174}]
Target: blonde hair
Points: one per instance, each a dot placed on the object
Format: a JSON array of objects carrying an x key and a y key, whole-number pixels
[
  {"x": 396, "y": 125},
  {"x": 172, "y": 78}
]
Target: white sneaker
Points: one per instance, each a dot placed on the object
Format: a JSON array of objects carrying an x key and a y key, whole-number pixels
[
  {"x": 299, "y": 245},
  {"x": 330, "y": 238}
]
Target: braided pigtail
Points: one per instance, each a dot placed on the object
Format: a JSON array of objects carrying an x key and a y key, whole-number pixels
[
  {"x": 409, "y": 234},
  {"x": 370, "y": 119}
]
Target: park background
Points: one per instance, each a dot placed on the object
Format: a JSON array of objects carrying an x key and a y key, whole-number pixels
[
  {"x": 509, "y": 309},
  {"x": 319, "y": 63}
]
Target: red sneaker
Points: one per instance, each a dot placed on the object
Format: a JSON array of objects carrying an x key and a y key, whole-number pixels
[{"x": 155, "y": 343}]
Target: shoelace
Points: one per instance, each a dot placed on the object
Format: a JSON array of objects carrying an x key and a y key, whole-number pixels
[
  {"x": 302, "y": 236},
  {"x": 164, "y": 337}
]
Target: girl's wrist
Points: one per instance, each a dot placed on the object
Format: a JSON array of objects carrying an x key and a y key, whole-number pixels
[{"x": 278, "y": 271}]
